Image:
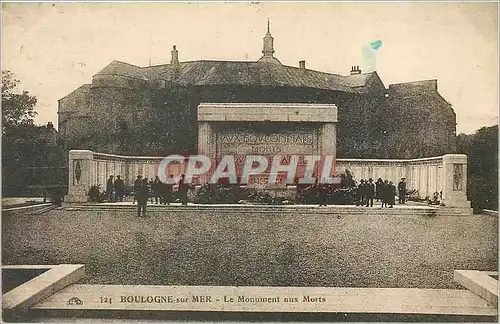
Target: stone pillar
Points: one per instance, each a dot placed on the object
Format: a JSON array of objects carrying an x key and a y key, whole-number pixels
[
  {"x": 328, "y": 141},
  {"x": 455, "y": 180},
  {"x": 80, "y": 175},
  {"x": 206, "y": 146}
]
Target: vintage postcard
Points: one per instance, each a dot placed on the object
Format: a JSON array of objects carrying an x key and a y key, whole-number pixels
[{"x": 250, "y": 161}]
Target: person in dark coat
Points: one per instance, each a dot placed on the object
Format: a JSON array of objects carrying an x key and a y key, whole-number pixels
[
  {"x": 362, "y": 192},
  {"x": 321, "y": 191},
  {"x": 109, "y": 188},
  {"x": 402, "y": 191},
  {"x": 167, "y": 191},
  {"x": 392, "y": 194},
  {"x": 57, "y": 196},
  {"x": 349, "y": 180},
  {"x": 384, "y": 193},
  {"x": 161, "y": 190},
  {"x": 301, "y": 191},
  {"x": 378, "y": 189},
  {"x": 119, "y": 188},
  {"x": 142, "y": 198},
  {"x": 183, "y": 190},
  {"x": 369, "y": 192},
  {"x": 149, "y": 184},
  {"x": 137, "y": 185},
  {"x": 156, "y": 189},
  {"x": 356, "y": 194}
]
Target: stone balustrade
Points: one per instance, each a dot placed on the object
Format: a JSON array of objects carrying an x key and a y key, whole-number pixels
[{"x": 446, "y": 174}]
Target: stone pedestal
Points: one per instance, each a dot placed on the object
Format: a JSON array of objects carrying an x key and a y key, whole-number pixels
[
  {"x": 80, "y": 175},
  {"x": 76, "y": 193},
  {"x": 455, "y": 180}
]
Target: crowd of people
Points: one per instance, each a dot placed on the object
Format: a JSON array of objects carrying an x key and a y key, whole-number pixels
[
  {"x": 383, "y": 191},
  {"x": 144, "y": 190},
  {"x": 162, "y": 193}
]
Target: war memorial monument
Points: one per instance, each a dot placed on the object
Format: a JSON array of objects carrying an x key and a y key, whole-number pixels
[{"x": 287, "y": 128}]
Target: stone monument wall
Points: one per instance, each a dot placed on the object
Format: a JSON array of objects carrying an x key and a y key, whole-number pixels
[
  {"x": 268, "y": 129},
  {"x": 446, "y": 174}
]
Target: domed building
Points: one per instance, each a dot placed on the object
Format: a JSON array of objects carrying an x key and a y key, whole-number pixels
[{"x": 152, "y": 110}]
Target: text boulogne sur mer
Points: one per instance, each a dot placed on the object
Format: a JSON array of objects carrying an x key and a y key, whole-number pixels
[{"x": 160, "y": 299}]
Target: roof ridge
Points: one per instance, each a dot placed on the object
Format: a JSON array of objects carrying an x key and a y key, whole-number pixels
[
  {"x": 247, "y": 62},
  {"x": 195, "y": 61},
  {"x": 413, "y": 82},
  {"x": 310, "y": 70},
  {"x": 156, "y": 65},
  {"x": 83, "y": 85},
  {"x": 201, "y": 72},
  {"x": 118, "y": 61},
  {"x": 219, "y": 61},
  {"x": 366, "y": 73}
]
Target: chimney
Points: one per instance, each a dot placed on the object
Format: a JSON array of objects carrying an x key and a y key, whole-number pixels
[
  {"x": 355, "y": 70},
  {"x": 302, "y": 64},
  {"x": 175, "y": 56}
]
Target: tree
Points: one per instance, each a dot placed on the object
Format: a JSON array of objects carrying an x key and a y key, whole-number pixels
[
  {"x": 482, "y": 176},
  {"x": 18, "y": 109}
]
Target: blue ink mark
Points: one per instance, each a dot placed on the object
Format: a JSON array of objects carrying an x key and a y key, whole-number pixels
[
  {"x": 369, "y": 55},
  {"x": 376, "y": 44}
]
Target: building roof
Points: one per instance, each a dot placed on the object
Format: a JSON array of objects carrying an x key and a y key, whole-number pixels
[
  {"x": 82, "y": 88},
  {"x": 267, "y": 71},
  {"x": 123, "y": 69},
  {"x": 416, "y": 88},
  {"x": 358, "y": 80},
  {"x": 257, "y": 73}
]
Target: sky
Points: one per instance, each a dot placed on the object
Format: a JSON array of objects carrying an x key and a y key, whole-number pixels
[{"x": 53, "y": 48}]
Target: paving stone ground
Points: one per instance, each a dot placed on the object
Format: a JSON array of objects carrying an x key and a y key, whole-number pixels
[{"x": 265, "y": 249}]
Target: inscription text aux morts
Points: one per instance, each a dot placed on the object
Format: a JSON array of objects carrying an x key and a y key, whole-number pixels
[{"x": 267, "y": 143}]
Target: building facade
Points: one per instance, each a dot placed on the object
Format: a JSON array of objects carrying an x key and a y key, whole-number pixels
[{"x": 152, "y": 110}]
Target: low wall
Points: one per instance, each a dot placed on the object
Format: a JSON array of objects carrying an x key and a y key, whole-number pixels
[
  {"x": 426, "y": 175},
  {"x": 446, "y": 174}
]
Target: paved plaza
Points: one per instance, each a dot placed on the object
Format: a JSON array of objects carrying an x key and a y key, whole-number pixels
[{"x": 186, "y": 246}]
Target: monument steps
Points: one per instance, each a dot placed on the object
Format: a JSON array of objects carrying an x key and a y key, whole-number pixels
[
  {"x": 334, "y": 210},
  {"x": 456, "y": 211}
]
